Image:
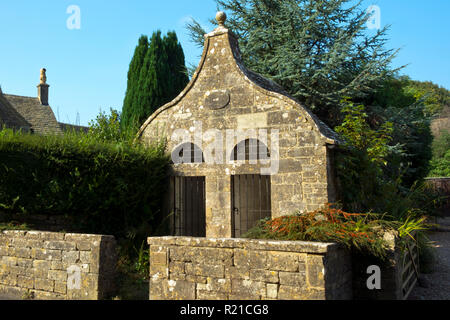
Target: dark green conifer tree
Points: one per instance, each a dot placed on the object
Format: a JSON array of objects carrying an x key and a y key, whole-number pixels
[
  {"x": 161, "y": 77},
  {"x": 178, "y": 78},
  {"x": 131, "y": 95},
  {"x": 153, "y": 79}
]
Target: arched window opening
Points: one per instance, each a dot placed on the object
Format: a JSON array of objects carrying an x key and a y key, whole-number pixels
[
  {"x": 187, "y": 153},
  {"x": 250, "y": 149}
]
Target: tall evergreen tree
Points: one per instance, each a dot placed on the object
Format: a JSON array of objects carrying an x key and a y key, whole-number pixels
[
  {"x": 320, "y": 51},
  {"x": 131, "y": 95},
  {"x": 161, "y": 77},
  {"x": 178, "y": 78},
  {"x": 153, "y": 79}
]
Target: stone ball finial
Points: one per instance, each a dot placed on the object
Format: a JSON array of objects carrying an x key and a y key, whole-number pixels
[
  {"x": 221, "y": 17},
  {"x": 43, "y": 77}
]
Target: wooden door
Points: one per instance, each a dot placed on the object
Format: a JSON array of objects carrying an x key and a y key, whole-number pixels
[
  {"x": 250, "y": 202},
  {"x": 188, "y": 201}
]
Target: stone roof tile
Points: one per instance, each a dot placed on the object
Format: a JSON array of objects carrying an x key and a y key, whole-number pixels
[
  {"x": 41, "y": 118},
  {"x": 9, "y": 116}
]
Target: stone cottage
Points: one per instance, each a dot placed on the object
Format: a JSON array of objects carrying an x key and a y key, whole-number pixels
[
  {"x": 32, "y": 114},
  {"x": 242, "y": 148}
]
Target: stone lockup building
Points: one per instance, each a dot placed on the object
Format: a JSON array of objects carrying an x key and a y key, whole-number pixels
[{"x": 242, "y": 148}]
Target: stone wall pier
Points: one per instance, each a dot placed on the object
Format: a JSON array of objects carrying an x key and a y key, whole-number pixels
[
  {"x": 53, "y": 266},
  {"x": 238, "y": 269}
]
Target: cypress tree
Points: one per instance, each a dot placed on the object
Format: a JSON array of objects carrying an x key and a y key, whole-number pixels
[
  {"x": 152, "y": 79},
  {"x": 162, "y": 76},
  {"x": 130, "y": 102},
  {"x": 178, "y": 78}
]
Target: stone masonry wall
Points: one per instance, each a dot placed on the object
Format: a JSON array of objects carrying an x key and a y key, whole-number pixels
[
  {"x": 45, "y": 265},
  {"x": 392, "y": 268},
  {"x": 238, "y": 269}
]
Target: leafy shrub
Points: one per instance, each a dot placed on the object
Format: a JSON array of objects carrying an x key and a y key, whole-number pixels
[
  {"x": 142, "y": 263},
  {"x": 440, "y": 164},
  {"x": 441, "y": 167},
  {"x": 105, "y": 187},
  {"x": 372, "y": 173},
  {"x": 362, "y": 232},
  {"x": 107, "y": 128},
  {"x": 410, "y": 106},
  {"x": 360, "y": 166}
]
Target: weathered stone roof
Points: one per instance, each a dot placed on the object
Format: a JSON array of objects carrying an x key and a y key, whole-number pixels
[
  {"x": 41, "y": 118},
  {"x": 9, "y": 116}
]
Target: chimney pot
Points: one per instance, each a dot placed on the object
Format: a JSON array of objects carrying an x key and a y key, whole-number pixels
[{"x": 43, "y": 88}]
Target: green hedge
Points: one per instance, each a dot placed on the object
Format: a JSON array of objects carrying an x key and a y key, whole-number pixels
[{"x": 104, "y": 187}]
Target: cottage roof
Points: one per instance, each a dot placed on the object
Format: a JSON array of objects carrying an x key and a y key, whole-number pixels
[
  {"x": 10, "y": 117},
  {"x": 40, "y": 118}
]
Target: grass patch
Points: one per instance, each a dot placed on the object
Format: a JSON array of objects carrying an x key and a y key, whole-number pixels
[{"x": 132, "y": 279}]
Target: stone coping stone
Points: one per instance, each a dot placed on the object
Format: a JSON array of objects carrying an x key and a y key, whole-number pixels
[
  {"x": 54, "y": 235},
  {"x": 266, "y": 245}
]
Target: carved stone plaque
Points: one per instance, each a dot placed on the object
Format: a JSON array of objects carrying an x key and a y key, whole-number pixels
[{"x": 217, "y": 99}]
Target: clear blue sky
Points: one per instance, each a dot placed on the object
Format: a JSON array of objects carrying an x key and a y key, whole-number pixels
[{"x": 87, "y": 68}]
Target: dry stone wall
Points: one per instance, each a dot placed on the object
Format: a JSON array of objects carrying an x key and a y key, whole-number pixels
[
  {"x": 239, "y": 269},
  {"x": 397, "y": 271},
  {"x": 47, "y": 265}
]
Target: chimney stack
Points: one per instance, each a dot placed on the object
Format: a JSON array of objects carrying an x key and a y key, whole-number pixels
[{"x": 43, "y": 88}]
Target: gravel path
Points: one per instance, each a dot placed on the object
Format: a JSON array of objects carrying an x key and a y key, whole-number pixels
[{"x": 437, "y": 284}]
